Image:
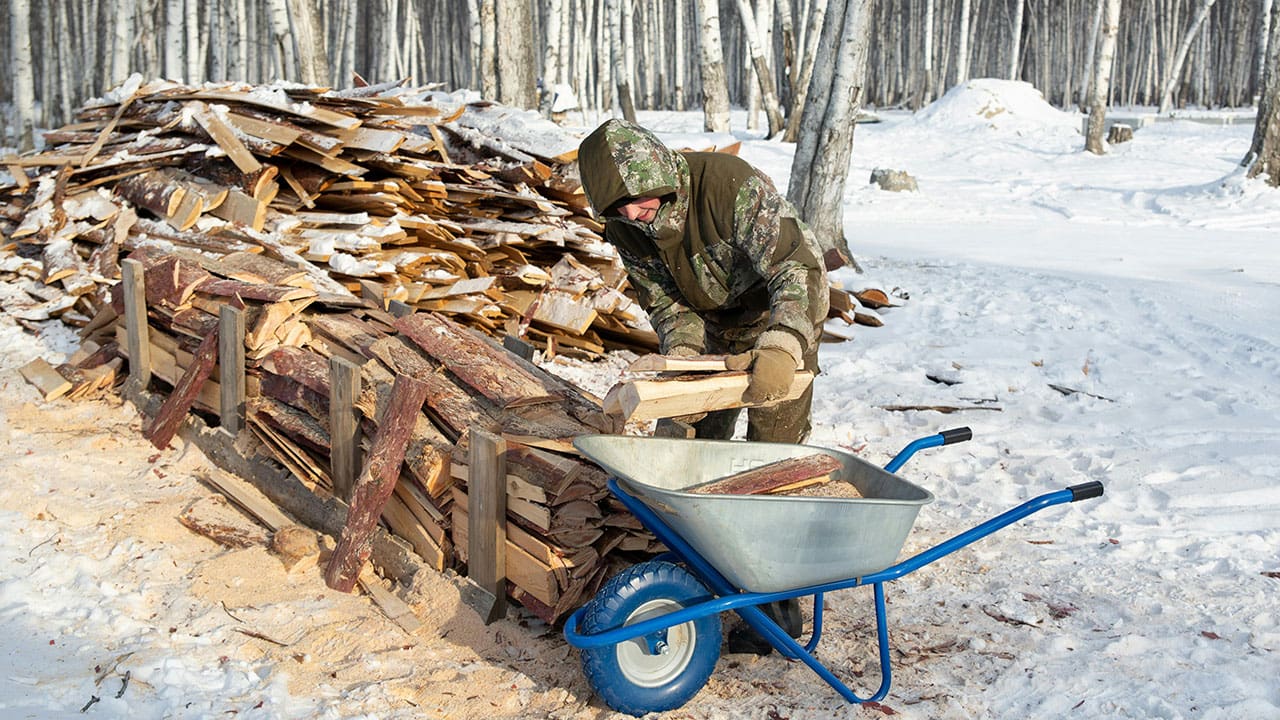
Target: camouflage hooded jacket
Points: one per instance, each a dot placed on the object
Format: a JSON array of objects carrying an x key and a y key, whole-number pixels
[{"x": 725, "y": 253}]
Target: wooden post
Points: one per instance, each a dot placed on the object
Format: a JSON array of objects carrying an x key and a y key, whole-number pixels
[
  {"x": 344, "y": 425},
  {"x": 376, "y": 483},
  {"x": 487, "y": 521},
  {"x": 231, "y": 368},
  {"x": 135, "y": 319}
]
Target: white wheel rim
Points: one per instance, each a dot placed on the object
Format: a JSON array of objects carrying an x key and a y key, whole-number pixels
[{"x": 647, "y": 669}]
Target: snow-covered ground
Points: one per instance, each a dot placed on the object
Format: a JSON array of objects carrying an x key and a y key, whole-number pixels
[{"x": 1146, "y": 280}]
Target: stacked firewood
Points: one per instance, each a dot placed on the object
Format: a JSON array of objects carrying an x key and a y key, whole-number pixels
[
  {"x": 377, "y": 191},
  {"x": 564, "y": 536}
]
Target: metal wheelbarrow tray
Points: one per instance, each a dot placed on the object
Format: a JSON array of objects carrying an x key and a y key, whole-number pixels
[{"x": 651, "y": 636}]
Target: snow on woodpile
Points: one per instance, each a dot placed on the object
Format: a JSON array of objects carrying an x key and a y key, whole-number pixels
[{"x": 440, "y": 202}]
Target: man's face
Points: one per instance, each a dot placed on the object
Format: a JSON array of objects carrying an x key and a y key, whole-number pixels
[{"x": 641, "y": 209}]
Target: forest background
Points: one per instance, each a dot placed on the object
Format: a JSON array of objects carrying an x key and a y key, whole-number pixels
[
  {"x": 809, "y": 65},
  {"x": 1173, "y": 53}
]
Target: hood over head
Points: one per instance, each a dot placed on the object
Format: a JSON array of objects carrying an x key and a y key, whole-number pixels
[{"x": 621, "y": 160}]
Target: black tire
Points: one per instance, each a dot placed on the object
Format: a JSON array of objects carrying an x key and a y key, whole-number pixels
[{"x": 627, "y": 676}]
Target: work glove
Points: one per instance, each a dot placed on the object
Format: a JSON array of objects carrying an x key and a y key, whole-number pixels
[{"x": 772, "y": 371}]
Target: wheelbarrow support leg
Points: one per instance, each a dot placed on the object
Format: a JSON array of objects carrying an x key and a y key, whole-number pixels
[{"x": 793, "y": 649}]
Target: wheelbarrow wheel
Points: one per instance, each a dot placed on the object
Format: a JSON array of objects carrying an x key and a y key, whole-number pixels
[{"x": 632, "y": 677}]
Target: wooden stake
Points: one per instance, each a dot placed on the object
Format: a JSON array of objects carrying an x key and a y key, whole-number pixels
[
  {"x": 231, "y": 368},
  {"x": 487, "y": 541},
  {"x": 135, "y": 317},
  {"x": 344, "y": 425},
  {"x": 377, "y": 482}
]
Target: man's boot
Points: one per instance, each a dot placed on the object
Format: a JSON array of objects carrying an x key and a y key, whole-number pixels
[{"x": 744, "y": 638}]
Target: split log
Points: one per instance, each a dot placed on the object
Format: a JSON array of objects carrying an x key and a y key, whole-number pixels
[
  {"x": 46, "y": 379},
  {"x": 687, "y": 395}
]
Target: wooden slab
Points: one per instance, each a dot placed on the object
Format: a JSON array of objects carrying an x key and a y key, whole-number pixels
[
  {"x": 47, "y": 380},
  {"x": 776, "y": 477}
]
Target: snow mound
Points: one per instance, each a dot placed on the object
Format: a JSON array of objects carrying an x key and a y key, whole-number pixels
[{"x": 999, "y": 104}]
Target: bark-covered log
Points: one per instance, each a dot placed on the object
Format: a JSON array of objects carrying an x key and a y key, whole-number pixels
[{"x": 376, "y": 483}]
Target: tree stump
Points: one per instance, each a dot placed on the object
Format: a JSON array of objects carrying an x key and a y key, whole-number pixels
[{"x": 1119, "y": 133}]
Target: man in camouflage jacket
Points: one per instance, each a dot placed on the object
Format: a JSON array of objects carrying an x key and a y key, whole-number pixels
[{"x": 720, "y": 261}]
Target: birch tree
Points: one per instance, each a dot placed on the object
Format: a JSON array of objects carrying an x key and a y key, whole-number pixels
[
  {"x": 121, "y": 41},
  {"x": 1175, "y": 68},
  {"x": 553, "y": 11},
  {"x": 173, "y": 37},
  {"x": 962, "y": 52},
  {"x": 517, "y": 63},
  {"x": 282, "y": 38},
  {"x": 489, "y": 49},
  {"x": 313, "y": 56},
  {"x": 764, "y": 75},
  {"x": 1263, "y": 45},
  {"x": 617, "y": 57},
  {"x": 24, "y": 86},
  {"x": 1015, "y": 38},
  {"x": 238, "y": 37},
  {"x": 678, "y": 54},
  {"x": 821, "y": 163},
  {"x": 927, "y": 56},
  {"x": 813, "y": 34},
  {"x": 1102, "y": 69},
  {"x": 1264, "y": 151},
  {"x": 715, "y": 87},
  {"x": 191, "y": 54}
]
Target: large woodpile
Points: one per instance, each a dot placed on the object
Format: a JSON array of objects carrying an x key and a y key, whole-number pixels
[
  {"x": 315, "y": 213},
  {"x": 378, "y": 227}
]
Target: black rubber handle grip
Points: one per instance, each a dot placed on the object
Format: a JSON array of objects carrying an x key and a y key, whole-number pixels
[
  {"x": 955, "y": 435},
  {"x": 1084, "y": 491}
]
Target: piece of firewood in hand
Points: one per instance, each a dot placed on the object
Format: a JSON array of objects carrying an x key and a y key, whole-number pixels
[
  {"x": 774, "y": 478},
  {"x": 688, "y": 395},
  {"x": 654, "y": 362}
]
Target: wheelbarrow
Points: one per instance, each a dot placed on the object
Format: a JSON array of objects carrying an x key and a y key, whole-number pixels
[{"x": 650, "y": 637}]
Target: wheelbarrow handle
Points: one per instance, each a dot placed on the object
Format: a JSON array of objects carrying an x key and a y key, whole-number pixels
[
  {"x": 946, "y": 437},
  {"x": 1085, "y": 491}
]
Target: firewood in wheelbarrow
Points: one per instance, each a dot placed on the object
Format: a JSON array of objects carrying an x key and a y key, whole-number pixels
[{"x": 780, "y": 477}]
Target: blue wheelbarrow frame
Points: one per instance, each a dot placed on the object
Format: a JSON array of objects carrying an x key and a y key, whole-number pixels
[{"x": 653, "y": 630}]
